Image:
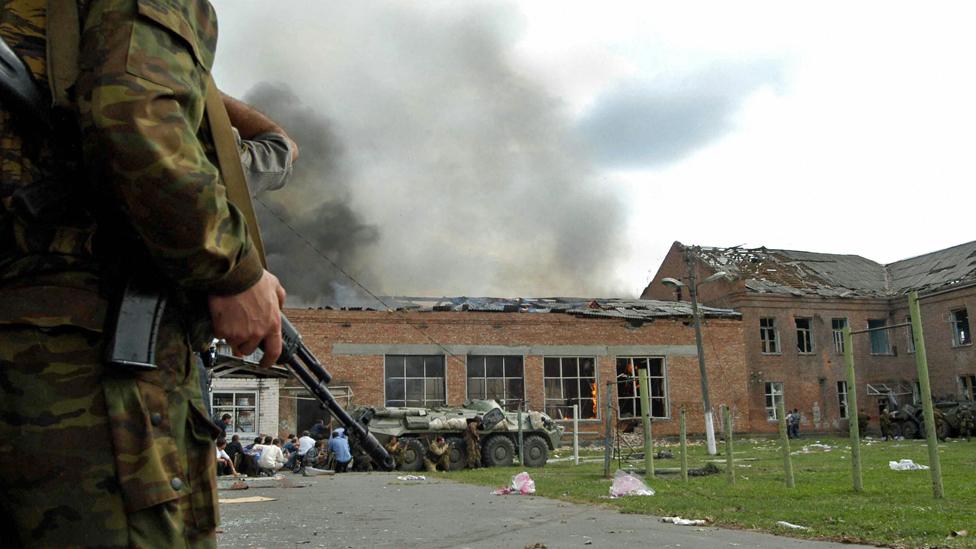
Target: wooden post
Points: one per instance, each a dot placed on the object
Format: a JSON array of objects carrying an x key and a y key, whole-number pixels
[
  {"x": 520, "y": 448},
  {"x": 645, "y": 401},
  {"x": 785, "y": 443},
  {"x": 727, "y": 417},
  {"x": 684, "y": 447},
  {"x": 608, "y": 439},
  {"x": 852, "y": 411},
  {"x": 922, "y": 364},
  {"x": 576, "y": 434}
]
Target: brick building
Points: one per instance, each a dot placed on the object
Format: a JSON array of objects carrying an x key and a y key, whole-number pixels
[
  {"x": 794, "y": 305},
  {"x": 547, "y": 354}
]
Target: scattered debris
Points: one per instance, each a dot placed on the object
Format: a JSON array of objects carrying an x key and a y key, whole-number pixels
[
  {"x": 664, "y": 454},
  {"x": 626, "y": 484},
  {"x": 906, "y": 465},
  {"x": 708, "y": 469},
  {"x": 313, "y": 472},
  {"x": 522, "y": 484},
  {"x": 536, "y": 545},
  {"x": 810, "y": 448},
  {"x": 412, "y": 477},
  {"x": 685, "y": 522},
  {"x": 252, "y": 499},
  {"x": 791, "y": 525},
  {"x": 239, "y": 485},
  {"x": 958, "y": 533}
]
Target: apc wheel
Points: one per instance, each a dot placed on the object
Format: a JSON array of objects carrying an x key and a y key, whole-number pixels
[
  {"x": 457, "y": 453},
  {"x": 909, "y": 430},
  {"x": 413, "y": 455},
  {"x": 498, "y": 451},
  {"x": 536, "y": 451}
]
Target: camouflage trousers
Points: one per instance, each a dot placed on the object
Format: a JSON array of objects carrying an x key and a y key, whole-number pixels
[
  {"x": 92, "y": 456},
  {"x": 433, "y": 462}
]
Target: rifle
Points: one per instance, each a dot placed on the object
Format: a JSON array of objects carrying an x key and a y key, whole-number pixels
[{"x": 133, "y": 340}]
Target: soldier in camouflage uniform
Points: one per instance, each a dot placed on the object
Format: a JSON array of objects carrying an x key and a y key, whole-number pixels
[
  {"x": 967, "y": 426},
  {"x": 438, "y": 455},
  {"x": 117, "y": 457},
  {"x": 472, "y": 443}
]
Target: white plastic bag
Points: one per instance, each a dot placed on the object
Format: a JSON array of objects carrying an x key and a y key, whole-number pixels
[
  {"x": 626, "y": 484},
  {"x": 906, "y": 465}
]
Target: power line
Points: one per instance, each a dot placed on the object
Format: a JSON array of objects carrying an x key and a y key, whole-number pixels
[{"x": 342, "y": 271}]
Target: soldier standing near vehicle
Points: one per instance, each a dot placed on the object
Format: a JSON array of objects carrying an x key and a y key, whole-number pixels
[
  {"x": 472, "y": 443},
  {"x": 884, "y": 419},
  {"x": 967, "y": 426},
  {"x": 438, "y": 455},
  {"x": 134, "y": 462}
]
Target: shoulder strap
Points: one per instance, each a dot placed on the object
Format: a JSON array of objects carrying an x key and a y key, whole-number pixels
[
  {"x": 229, "y": 159},
  {"x": 63, "y": 45}
]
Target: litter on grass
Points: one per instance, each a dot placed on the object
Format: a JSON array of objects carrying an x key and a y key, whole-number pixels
[
  {"x": 791, "y": 525},
  {"x": 906, "y": 465},
  {"x": 685, "y": 522},
  {"x": 522, "y": 484},
  {"x": 412, "y": 477},
  {"x": 626, "y": 484}
]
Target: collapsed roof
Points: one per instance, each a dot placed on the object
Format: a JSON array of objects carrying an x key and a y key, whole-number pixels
[
  {"x": 627, "y": 309},
  {"x": 834, "y": 275}
]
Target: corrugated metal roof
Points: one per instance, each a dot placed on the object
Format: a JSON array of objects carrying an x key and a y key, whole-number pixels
[
  {"x": 628, "y": 309},
  {"x": 835, "y": 275}
]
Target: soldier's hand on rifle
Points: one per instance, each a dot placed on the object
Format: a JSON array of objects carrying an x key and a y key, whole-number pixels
[{"x": 250, "y": 318}]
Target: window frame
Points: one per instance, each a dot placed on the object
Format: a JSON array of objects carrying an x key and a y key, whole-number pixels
[
  {"x": 663, "y": 379},
  {"x": 233, "y": 409},
  {"x": 879, "y": 333},
  {"x": 505, "y": 402},
  {"x": 960, "y": 338},
  {"x": 838, "y": 333},
  {"x": 425, "y": 403},
  {"x": 769, "y": 393},
  {"x": 843, "y": 405},
  {"x": 772, "y": 330},
  {"x": 967, "y": 386},
  {"x": 597, "y": 416},
  {"x": 804, "y": 334}
]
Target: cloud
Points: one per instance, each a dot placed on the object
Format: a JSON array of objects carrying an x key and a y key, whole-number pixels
[{"x": 642, "y": 124}]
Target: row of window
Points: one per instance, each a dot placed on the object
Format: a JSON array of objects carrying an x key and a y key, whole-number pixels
[
  {"x": 419, "y": 381},
  {"x": 880, "y": 340},
  {"x": 774, "y": 395}
]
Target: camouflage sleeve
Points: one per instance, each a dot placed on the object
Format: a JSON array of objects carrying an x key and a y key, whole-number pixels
[{"x": 141, "y": 96}]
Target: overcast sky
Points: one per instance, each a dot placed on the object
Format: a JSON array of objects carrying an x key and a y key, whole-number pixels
[{"x": 558, "y": 148}]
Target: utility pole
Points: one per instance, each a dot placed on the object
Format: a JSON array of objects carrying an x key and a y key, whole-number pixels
[{"x": 706, "y": 402}]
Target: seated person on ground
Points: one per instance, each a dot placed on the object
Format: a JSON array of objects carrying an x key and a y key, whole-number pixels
[
  {"x": 225, "y": 465},
  {"x": 339, "y": 446}
]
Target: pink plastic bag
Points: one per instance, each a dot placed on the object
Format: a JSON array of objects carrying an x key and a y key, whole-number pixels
[
  {"x": 522, "y": 484},
  {"x": 626, "y": 484}
]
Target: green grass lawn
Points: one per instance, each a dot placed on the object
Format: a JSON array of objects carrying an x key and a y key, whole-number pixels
[{"x": 896, "y": 508}]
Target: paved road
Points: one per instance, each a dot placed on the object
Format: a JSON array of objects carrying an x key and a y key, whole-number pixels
[{"x": 377, "y": 510}]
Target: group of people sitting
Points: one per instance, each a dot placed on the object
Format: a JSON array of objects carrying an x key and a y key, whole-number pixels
[{"x": 267, "y": 455}]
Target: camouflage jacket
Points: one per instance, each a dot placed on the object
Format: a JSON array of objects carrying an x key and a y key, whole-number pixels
[{"x": 151, "y": 193}]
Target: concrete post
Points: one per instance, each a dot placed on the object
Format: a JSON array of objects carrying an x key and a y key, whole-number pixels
[
  {"x": 645, "y": 401},
  {"x": 852, "y": 411},
  {"x": 922, "y": 364}
]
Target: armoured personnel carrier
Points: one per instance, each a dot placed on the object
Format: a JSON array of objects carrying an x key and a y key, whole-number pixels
[
  {"x": 498, "y": 430},
  {"x": 952, "y": 418}
]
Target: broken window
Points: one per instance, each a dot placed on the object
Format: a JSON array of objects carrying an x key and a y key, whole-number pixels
[
  {"x": 629, "y": 389},
  {"x": 768, "y": 335},
  {"x": 569, "y": 381},
  {"x": 242, "y": 407},
  {"x": 880, "y": 344},
  {"x": 804, "y": 335},
  {"x": 415, "y": 380},
  {"x": 910, "y": 347},
  {"x": 960, "y": 328},
  {"x": 967, "y": 387},
  {"x": 774, "y": 396},
  {"x": 842, "y": 398},
  {"x": 837, "y": 326},
  {"x": 497, "y": 377}
]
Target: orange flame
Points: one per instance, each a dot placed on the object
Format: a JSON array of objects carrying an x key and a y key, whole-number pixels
[{"x": 593, "y": 393}]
